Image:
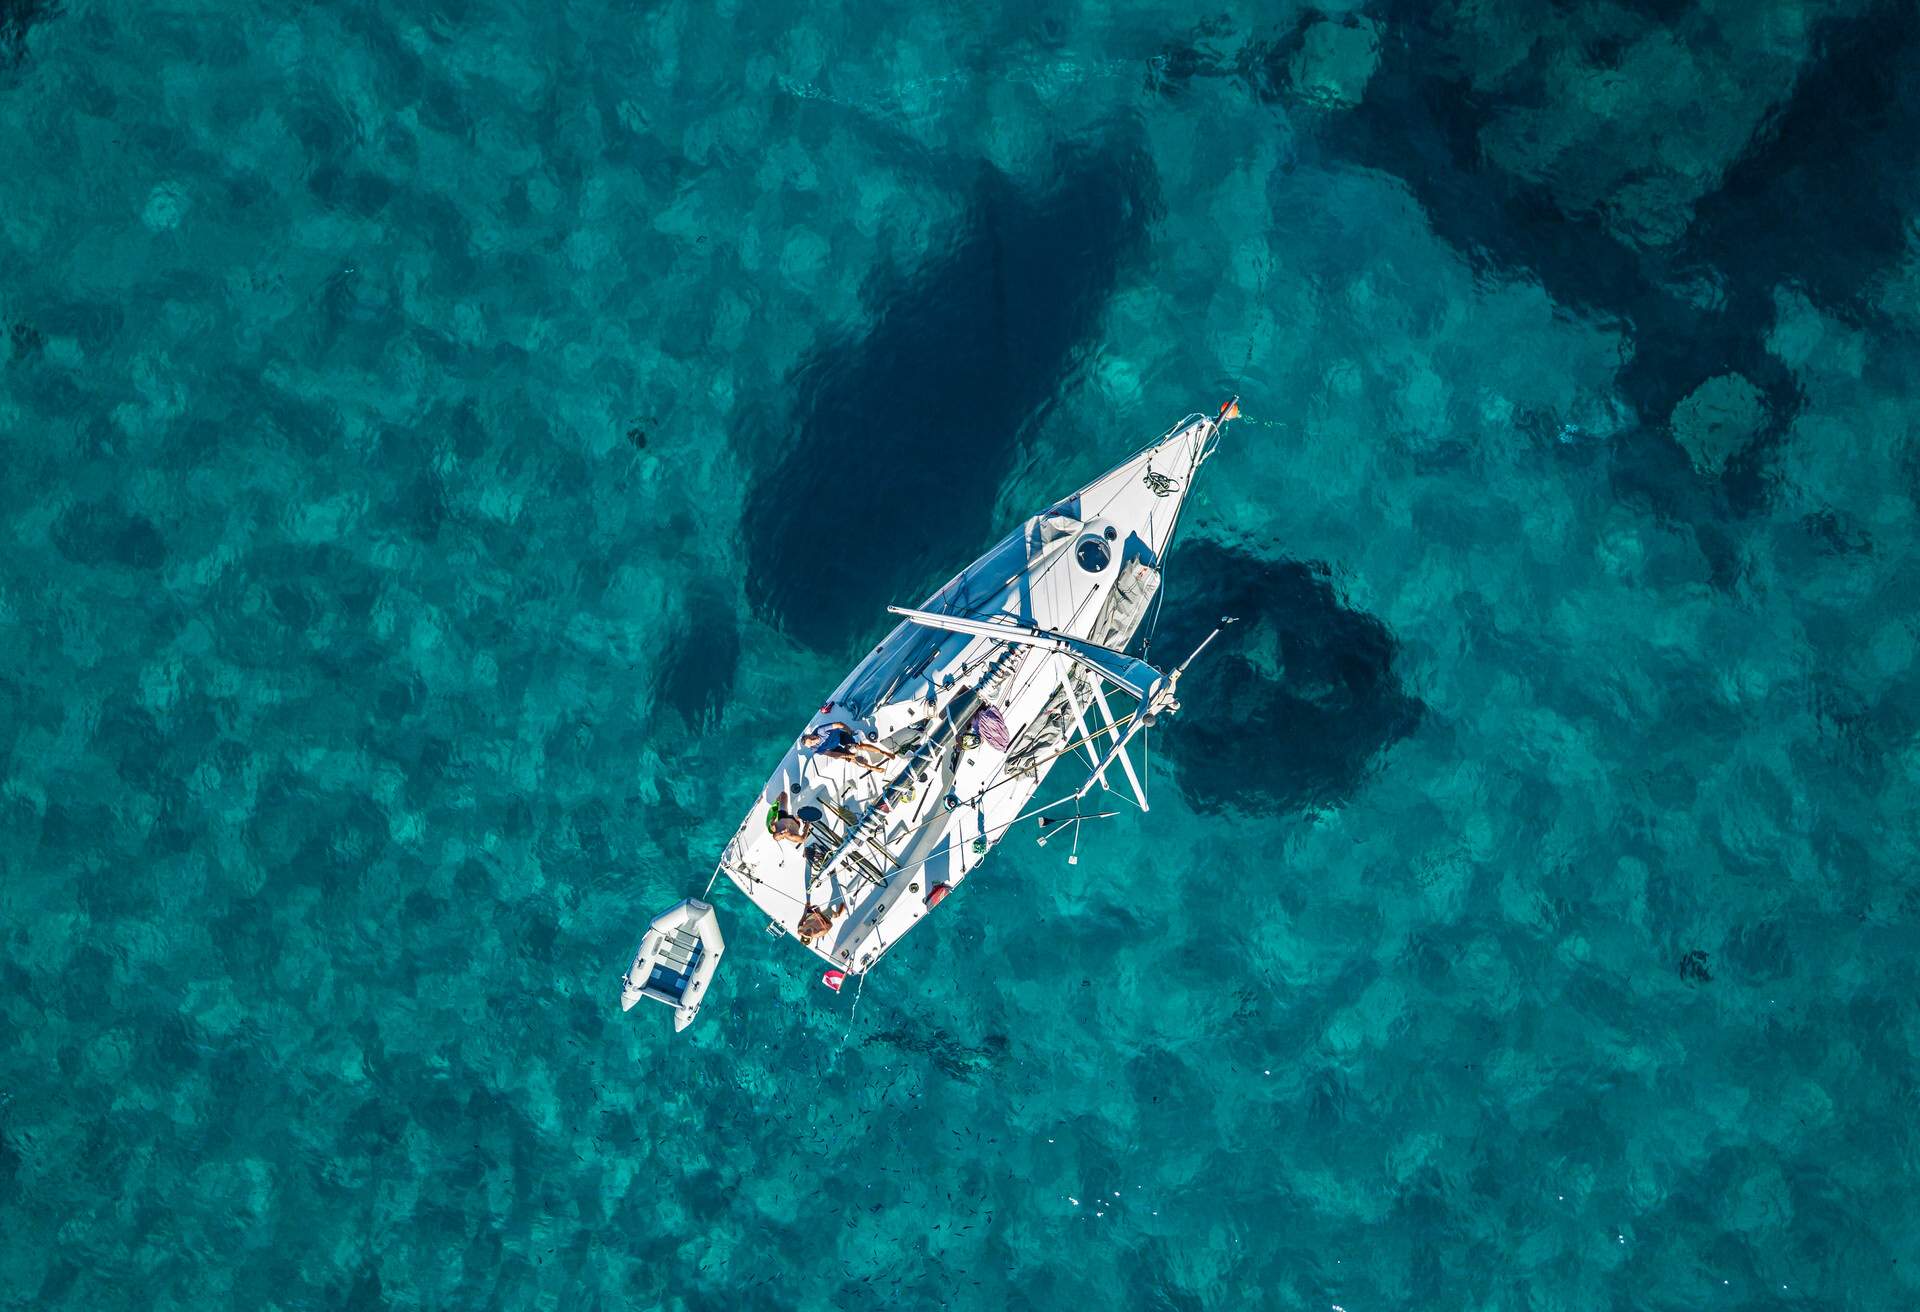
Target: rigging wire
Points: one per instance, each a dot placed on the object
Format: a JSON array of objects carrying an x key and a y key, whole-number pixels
[
  {"x": 1064, "y": 751},
  {"x": 997, "y": 829}
]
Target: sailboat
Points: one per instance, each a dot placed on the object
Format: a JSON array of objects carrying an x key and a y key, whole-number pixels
[{"x": 934, "y": 746}]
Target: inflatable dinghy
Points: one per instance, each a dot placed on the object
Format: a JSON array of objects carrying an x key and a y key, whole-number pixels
[{"x": 676, "y": 961}]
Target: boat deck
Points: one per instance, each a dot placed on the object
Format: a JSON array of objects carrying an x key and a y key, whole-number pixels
[{"x": 882, "y": 847}]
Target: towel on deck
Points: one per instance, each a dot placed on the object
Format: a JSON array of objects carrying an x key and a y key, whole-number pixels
[{"x": 992, "y": 729}]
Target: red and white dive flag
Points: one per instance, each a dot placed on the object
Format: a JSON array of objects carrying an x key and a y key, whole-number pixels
[{"x": 833, "y": 979}]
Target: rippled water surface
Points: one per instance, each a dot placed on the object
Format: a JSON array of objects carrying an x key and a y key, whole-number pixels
[{"x": 445, "y": 451}]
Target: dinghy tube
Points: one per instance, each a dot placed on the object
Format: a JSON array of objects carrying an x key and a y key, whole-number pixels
[{"x": 676, "y": 961}]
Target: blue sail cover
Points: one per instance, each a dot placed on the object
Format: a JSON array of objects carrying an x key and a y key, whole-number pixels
[{"x": 1127, "y": 672}]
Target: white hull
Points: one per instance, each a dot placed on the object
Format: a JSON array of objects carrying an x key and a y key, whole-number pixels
[{"x": 1070, "y": 587}]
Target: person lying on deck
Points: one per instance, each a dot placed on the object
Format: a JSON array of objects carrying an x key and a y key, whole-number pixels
[
  {"x": 785, "y": 826},
  {"x": 836, "y": 740}
]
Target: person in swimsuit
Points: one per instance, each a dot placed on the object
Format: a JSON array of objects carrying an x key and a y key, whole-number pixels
[
  {"x": 836, "y": 740},
  {"x": 785, "y": 826}
]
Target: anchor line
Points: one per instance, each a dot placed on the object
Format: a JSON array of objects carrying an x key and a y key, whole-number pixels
[{"x": 853, "y": 1015}]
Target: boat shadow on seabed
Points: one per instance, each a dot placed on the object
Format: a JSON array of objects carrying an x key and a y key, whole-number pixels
[
  {"x": 1304, "y": 735},
  {"x": 926, "y": 408}
]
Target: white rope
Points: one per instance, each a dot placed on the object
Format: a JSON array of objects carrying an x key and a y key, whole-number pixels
[{"x": 858, "y": 988}]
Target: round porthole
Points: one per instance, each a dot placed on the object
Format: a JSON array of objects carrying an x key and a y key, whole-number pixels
[{"x": 1093, "y": 554}]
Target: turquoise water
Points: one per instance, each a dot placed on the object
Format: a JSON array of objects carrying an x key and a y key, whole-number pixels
[{"x": 415, "y": 428}]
